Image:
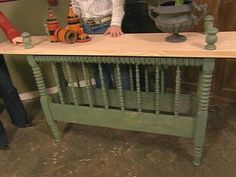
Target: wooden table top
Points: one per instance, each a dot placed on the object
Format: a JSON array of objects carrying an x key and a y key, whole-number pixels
[{"x": 148, "y": 44}]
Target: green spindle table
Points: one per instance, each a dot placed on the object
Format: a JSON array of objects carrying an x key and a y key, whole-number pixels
[{"x": 149, "y": 109}]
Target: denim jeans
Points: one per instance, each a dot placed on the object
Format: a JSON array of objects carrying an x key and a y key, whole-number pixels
[
  {"x": 98, "y": 29},
  {"x": 108, "y": 75},
  {"x": 11, "y": 99}
]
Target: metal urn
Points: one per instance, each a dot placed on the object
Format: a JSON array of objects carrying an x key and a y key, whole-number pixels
[{"x": 176, "y": 19}]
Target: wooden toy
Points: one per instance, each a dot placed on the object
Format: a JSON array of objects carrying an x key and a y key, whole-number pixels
[
  {"x": 26, "y": 40},
  {"x": 70, "y": 34}
]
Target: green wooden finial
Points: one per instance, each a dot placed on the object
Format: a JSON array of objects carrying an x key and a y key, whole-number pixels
[
  {"x": 26, "y": 40},
  {"x": 211, "y": 38},
  {"x": 208, "y": 22}
]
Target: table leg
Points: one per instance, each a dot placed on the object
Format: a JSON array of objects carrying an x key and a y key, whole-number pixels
[
  {"x": 44, "y": 98},
  {"x": 204, "y": 91}
]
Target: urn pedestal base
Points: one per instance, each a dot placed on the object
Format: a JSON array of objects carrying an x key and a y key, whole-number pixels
[{"x": 176, "y": 38}]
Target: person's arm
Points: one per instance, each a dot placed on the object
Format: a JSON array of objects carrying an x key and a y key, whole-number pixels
[
  {"x": 117, "y": 17},
  {"x": 12, "y": 34}
]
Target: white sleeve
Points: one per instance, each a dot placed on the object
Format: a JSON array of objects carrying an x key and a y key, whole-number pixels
[{"x": 117, "y": 12}]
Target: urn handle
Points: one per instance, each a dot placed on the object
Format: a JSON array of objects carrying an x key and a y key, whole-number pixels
[
  {"x": 152, "y": 10},
  {"x": 201, "y": 7}
]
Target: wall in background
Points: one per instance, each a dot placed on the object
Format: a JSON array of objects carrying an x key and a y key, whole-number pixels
[{"x": 30, "y": 16}]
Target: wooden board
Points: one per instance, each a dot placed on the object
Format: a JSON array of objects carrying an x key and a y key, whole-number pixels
[{"x": 153, "y": 44}]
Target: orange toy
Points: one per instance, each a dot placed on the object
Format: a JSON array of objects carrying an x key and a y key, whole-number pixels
[
  {"x": 74, "y": 24},
  {"x": 66, "y": 35},
  {"x": 71, "y": 34},
  {"x": 52, "y": 26}
]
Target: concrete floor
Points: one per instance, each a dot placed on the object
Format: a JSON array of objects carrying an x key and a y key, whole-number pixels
[{"x": 87, "y": 151}]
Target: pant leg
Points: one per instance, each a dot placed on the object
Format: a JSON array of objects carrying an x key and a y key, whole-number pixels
[
  {"x": 11, "y": 97},
  {"x": 124, "y": 73},
  {"x": 107, "y": 70},
  {"x": 142, "y": 77},
  {"x": 106, "y": 75},
  {"x": 100, "y": 29},
  {"x": 2, "y": 106},
  {"x": 3, "y": 136}
]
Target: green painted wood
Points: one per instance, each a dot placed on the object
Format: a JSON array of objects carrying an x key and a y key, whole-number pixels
[
  {"x": 202, "y": 112},
  {"x": 162, "y": 80},
  {"x": 157, "y": 90},
  {"x": 148, "y": 100},
  {"x": 115, "y": 76},
  {"x": 120, "y": 90},
  {"x": 123, "y": 60},
  {"x": 177, "y": 90},
  {"x": 131, "y": 78},
  {"x": 145, "y": 122},
  {"x": 104, "y": 95},
  {"x": 89, "y": 79},
  {"x": 88, "y": 88},
  {"x": 139, "y": 106},
  {"x": 146, "y": 79},
  {"x": 63, "y": 82},
  {"x": 159, "y": 109},
  {"x": 60, "y": 81},
  {"x": 71, "y": 82},
  {"x": 44, "y": 98},
  {"x": 58, "y": 84}
]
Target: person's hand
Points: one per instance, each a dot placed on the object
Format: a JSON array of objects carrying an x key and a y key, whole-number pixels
[
  {"x": 114, "y": 31},
  {"x": 17, "y": 40}
]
